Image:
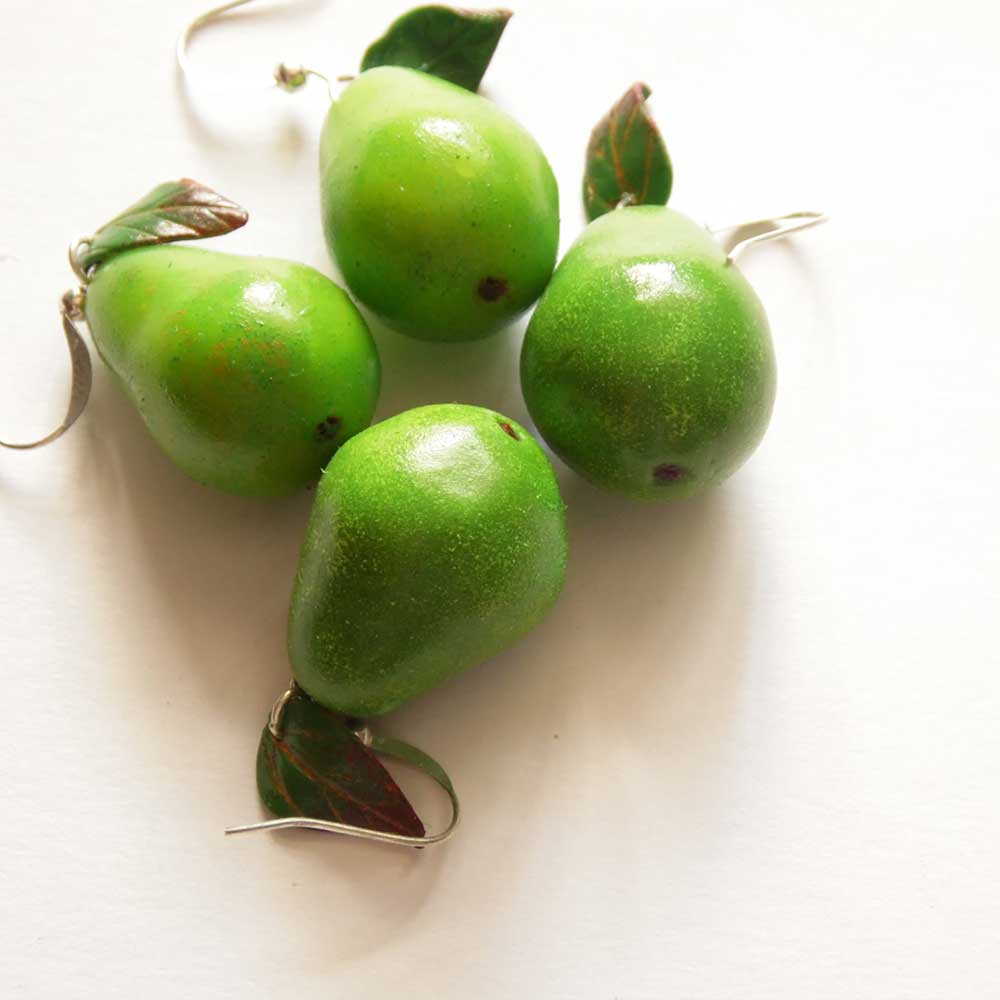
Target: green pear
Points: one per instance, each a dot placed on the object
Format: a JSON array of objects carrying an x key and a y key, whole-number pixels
[
  {"x": 437, "y": 538},
  {"x": 440, "y": 210},
  {"x": 248, "y": 371},
  {"x": 648, "y": 365}
]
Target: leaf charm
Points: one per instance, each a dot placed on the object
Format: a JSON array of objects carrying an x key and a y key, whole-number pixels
[
  {"x": 454, "y": 44},
  {"x": 627, "y": 161},
  {"x": 319, "y": 768},
  {"x": 177, "y": 210}
]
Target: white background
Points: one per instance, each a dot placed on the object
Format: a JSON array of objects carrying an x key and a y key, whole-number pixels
[{"x": 754, "y": 753}]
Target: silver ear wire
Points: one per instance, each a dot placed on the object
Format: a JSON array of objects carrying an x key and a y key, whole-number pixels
[
  {"x": 387, "y": 748},
  {"x": 71, "y": 311},
  {"x": 736, "y": 239},
  {"x": 289, "y": 78},
  {"x": 383, "y": 745}
]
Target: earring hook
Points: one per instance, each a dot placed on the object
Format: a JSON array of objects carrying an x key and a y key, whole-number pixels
[
  {"x": 384, "y": 746},
  {"x": 736, "y": 239},
  {"x": 387, "y": 748},
  {"x": 82, "y": 370},
  {"x": 288, "y": 78}
]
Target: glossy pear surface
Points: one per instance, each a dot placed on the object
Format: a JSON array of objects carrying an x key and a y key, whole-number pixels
[
  {"x": 249, "y": 372},
  {"x": 440, "y": 210},
  {"x": 437, "y": 538},
  {"x": 648, "y": 365}
]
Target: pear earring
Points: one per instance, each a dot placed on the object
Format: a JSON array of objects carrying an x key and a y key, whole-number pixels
[
  {"x": 691, "y": 315},
  {"x": 403, "y": 583},
  {"x": 72, "y": 311},
  {"x": 73, "y": 302},
  {"x": 423, "y": 181},
  {"x": 248, "y": 372}
]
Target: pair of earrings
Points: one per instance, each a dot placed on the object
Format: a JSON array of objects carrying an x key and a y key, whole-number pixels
[{"x": 647, "y": 367}]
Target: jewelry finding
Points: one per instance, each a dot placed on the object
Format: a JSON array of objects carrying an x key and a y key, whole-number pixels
[
  {"x": 288, "y": 78},
  {"x": 736, "y": 239},
  {"x": 384, "y": 746}
]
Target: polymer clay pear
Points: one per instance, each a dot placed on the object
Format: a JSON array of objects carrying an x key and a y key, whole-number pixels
[
  {"x": 648, "y": 365},
  {"x": 437, "y": 538},
  {"x": 441, "y": 211},
  {"x": 249, "y": 372}
]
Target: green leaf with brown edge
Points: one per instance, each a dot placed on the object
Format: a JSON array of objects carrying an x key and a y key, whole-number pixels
[
  {"x": 320, "y": 769},
  {"x": 448, "y": 42},
  {"x": 627, "y": 161},
  {"x": 177, "y": 210}
]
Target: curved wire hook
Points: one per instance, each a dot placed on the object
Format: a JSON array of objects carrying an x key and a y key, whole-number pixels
[
  {"x": 286, "y": 77},
  {"x": 385, "y": 746},
  {"x": 71, "y": 310},
  {"x": 736, "y": 239}
]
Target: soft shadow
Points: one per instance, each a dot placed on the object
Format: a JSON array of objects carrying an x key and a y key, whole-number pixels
[
  {"x": 655, "y": 607},
  {"x": 792, "y": 273},
  {"x": 802, "y": 260},
  {"x": 288, "y": 139},
  {"x": 385, "y": 888},
  {"x": 221, "y": 566},
  {"x": 220, "y": 570},
  {"x": 416, "y": 373}
]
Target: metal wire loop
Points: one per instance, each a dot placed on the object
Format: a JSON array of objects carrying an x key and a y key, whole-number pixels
[
  {"x": 386, "y": 747},
  {"x": 736, "y": 239},
  {"x": 286, "y": 77},
  {"x": 71, "y": 311}
]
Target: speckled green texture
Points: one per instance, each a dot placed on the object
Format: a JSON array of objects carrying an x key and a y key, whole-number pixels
[
  {"x": 248, "y": 371},
  {"x": 441, "y": 211},
  {"x": 648, "y": 365},
  {"x": 437, "y": 538}
]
